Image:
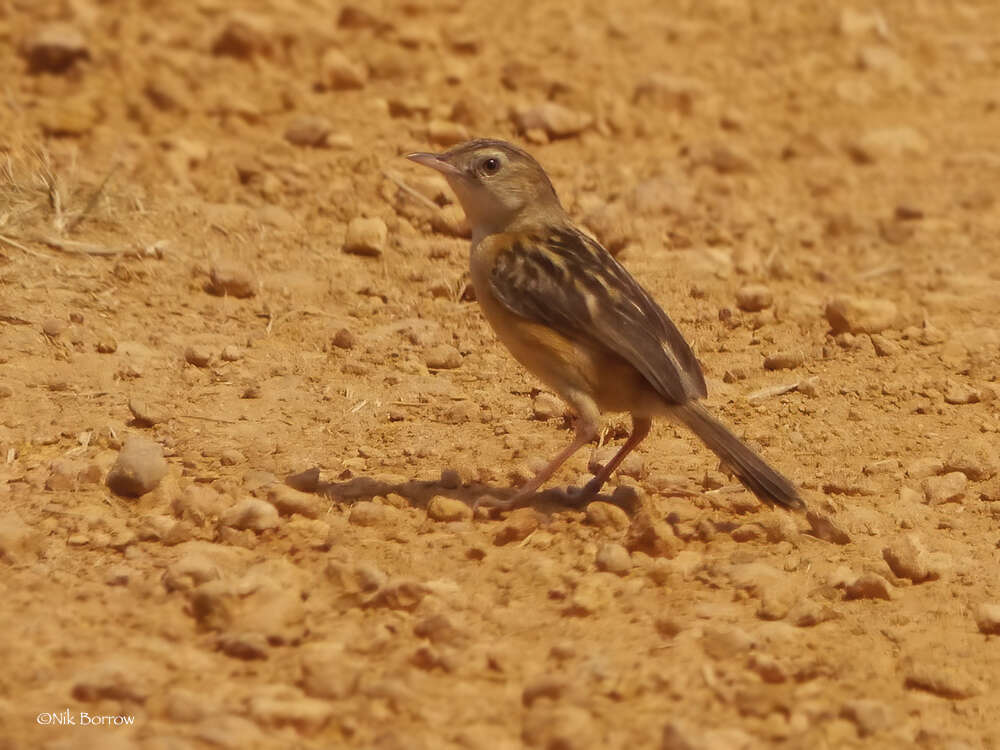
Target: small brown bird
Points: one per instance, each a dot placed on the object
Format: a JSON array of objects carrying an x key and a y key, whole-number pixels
[{"x": 572, "y": 315}]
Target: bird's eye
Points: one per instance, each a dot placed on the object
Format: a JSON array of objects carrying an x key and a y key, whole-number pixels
[{"x": 491, "y": 165}]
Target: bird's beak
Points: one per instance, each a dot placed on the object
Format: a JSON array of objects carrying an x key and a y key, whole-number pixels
[{"x": 435, "y": 162}]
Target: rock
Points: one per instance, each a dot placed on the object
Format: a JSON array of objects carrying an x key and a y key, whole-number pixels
[
  {"x": 251, "y": 514},
  {"x": 446, "y": 133},
  {"x": 856, "y": 315},
  {"x": 554, "y": 119},
  {"x": 443, "y": 357},
  {"x": 784, "y": 360},
  {"x": 229, "y": 279},
  {"x": 517, "y": 526},
  {"x": 231, "y": 353},
  {"x": 139, "y": 468},
  {"x": 611, "y": 223},
  {"x": 653, "y": 537},
  {"x": 367, "y": 513},
  {"x": 55, "y": 48},
  {"x": 54, "y": 327},
  {"x": 143, "y": 415},
  {"x": 908, "y": 558},
  {"x": 924, "y": 467},
  {"x": 115, "y": 678},
  {"x": 887, "y": 144},
  {"x": 19, "y": 542},
  {"x": 807, "y": 613},
  {"x": 885, "y": 347},
  {"x": 401, "y": 594},
  {"x": 192, "y": 570},
  {"x": 339, "y": 72},
  {"x": 559, "y": 727},
  {"x": 869, "y": 586},
  {"x": 461, "y": 412},
  {"x": 199, "y": 356},
  {"x": 754, "y": 297},
  {"x": 670, "y": 92},
  {"x": 659, "y": 196},
  {"x": 607, "y": 516},
  {"x": 825, "y": 528},
  {"x": 961, "y": 393},
  {"x": 726, "y": 643},
  {"x": 592, "y": 594},
  {"x": 344, "y": 339},
  {"x": 365, "y": 236},
  {"x": 988, "y": 618},
  {"x": 946, "y": 681},
  {"x": 613, "y": 558},
  {"x": 546, "y": 406},
  {"x": 63, "y": 476},
  {"x": 869, "y": 716},
  {"x": 287, "y": 708},
  {"x": 944, "y": 489},
  {"x": 288, "y": 501},
  {"x": 547, "y": 686},
  {"x": 327, "y": 671},
  {"x": 441, "y": 508},
  {"x": 244, "y": 35},
  {"x": 308, "y": 130}
]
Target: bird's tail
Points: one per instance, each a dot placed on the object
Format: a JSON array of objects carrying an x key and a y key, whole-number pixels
[{"x": 763, "y": 481}]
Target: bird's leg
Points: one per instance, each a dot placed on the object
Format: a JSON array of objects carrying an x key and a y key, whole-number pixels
[
  {"x": 586, "y": 429},
  {"x": 640, "y": 429}
]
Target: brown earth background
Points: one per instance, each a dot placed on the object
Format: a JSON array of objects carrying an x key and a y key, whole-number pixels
[{"x": 209, "y": 240}]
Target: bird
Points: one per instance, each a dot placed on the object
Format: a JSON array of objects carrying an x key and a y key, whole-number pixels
[{"x": 573, "y": 316}]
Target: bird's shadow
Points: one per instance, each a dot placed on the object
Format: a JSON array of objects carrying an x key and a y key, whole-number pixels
[{"x": 419, "y": 493}]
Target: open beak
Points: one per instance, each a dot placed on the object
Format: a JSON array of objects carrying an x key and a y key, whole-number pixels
[{"x": 435, "y": 162}]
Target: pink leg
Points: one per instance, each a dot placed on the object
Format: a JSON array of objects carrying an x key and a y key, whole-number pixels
[
  {"x": 586, "y": 429},
  {"x": 640, "y": 429}
]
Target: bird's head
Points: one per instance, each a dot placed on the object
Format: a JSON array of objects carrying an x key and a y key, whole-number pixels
[{"x": 501, "y": 187}]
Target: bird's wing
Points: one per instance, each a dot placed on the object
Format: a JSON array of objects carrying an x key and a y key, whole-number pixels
[{"x": 565, "y": 280}]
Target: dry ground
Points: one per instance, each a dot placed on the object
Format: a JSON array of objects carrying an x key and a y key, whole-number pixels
[{"x": 814, "y": 150}]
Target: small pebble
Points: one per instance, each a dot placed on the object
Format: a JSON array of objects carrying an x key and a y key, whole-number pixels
[
  {"x": 54, "y": 327},
  {"x": 869, "y": 586},
  {"x": 251, "y": 514},
  {"x": 365, "y": 236},
  {"x": 869, "y": 716},
  {"x": 784, "y": 360},
  {"x": 446, "y": 133},
  {"x": 231, "y": 353},
  {"x": 555, "y": 120},
  {"x": 908, "y": 558},
  {"x": 885, "y": 347},
  {"x": 199, "y": 356},
  {"x": 517, "y": 526},
  {"x": 856, "y": 315},
  {"x": 139, "y": 468},
  {"x": 367, "y": 513},
  {"x": 607, "y": 516},
  {"x": 944, "y": 680},
  {"x": 55, "y": 48},
  {"x": 613, "y": 558},
  {"x": 230, "y": 279},
  {"x": 339, "y": 72},
  {"x": 107, "y": 345},
  {"x": 988, "y": 618},
  {"x": 754, "y": 298},
  {"x": 308, "y": 130},
  {"x": 344, "y": 339},
  {"x": 546, "y": 406},
  {"x": 143, "y": 414},
  {"x": 825, "y": 528},
  {"x": 441, "y": 508},
  {"x": 944, "y": 489},
  {"x": 443, "y": 357}
]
